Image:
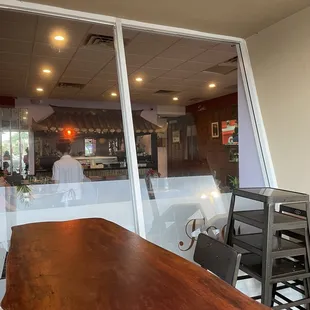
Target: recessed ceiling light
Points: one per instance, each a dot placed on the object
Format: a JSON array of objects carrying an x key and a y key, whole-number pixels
[
  {"x": 175, "y": 98},
  {"x": 139, "y": 79},
  {"x": 24, "y": 117},
  {"x": 114, "y": 94},
  {"x": 39, "y": 89},
  {"x": 47, "y": 71},
  {"x": 59, "y": 38},
  {"x": 212, "y": 85}
]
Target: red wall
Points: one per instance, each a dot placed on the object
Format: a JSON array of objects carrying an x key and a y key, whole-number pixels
[{"x": 211, "y": 149}]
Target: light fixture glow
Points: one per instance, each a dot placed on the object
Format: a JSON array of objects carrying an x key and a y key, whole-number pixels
[
  {"x": 47, "y": 71},
  {"x": 215, "y": 194},
  {"x": 212, "y": 85},
  {"x": 139, "y": 79},
  {"x": 59, "y": 38},
  {"x": 114, "y": 94},
  {"x": 203, "y": 196},
  {"x": 175, "y": 98},
  {"x": 40, "y": 89}
]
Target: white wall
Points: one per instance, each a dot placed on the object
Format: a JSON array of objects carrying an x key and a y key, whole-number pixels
[
  {"x": 250, "y": 170},
  {"x": 280, "y": 57}
]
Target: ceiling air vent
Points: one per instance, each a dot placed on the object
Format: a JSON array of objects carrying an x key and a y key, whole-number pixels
[
  {"x": 165, "y": 92},
  {"x": 231, "y": 61},
  {"x": 99, "y": 40},
  {"x": 225, "y": 67},
  {"x": 70, "y": 85}
]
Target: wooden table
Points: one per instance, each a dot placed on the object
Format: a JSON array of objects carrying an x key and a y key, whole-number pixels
[{"x": 93, "y": 264}]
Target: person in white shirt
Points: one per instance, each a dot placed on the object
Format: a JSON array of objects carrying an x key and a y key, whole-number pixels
[{"x": 68, "y": 173}]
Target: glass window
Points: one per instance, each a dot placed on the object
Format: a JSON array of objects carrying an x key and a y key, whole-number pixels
[
  {"x": 185, "y": 90},
  {"x": 62, "y": 136}
]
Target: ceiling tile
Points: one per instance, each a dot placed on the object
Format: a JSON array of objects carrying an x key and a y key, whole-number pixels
[
  {"x": 17, "y": 17},
  {"x": 107, "y": 94},
  {"x": 144, "y": 48},
  {"x": 183, "y": 52},
  {"x": 37, "y": 81},
  {"x": 18, "y": 59},
  {"x": 205, "y": 76},
  {"x": 109, "y": 31},
  {"x": 31, "y": 89},
  {"x": 105, "y": 77},
  {"x": 99, "y": 56},
  {"x": 194, "y": 83},
  {"x": 195, "y": 43},
  {"x": 226, "y": 47},
  {"x": 214, "y": 57},
  {"x": 57, "y": 91},
  {"x": 14, "y": 74},
  {"x": 8, "y": 66},
  {"x": 15, "y": 47},
  {"x": 137, "y": 60},
  {"x": 163, "y": 63},
  {"x": 94, "y": 89},
  {"x": 17, "y": 31},
  {"x": 149, "y": 73},
  {"x": 193, "y": 66},
  {"x": 101, "y": 30},
  {"x": 150, "y": 37},
  {"x": 56, "y": 64},
  {"x": 77, "y": 73},
  {"x": 74, "y": 32},
  {"x": 46, "y": 50},
  {"x": 84, "y": 66},
  {"x": 180, "y": 74},
  {"x": 77, "y": 80},
  {"x": 166, "y": 82},
  {"x": 110, "y": 67},
  {"x": 109, "y": 81}
]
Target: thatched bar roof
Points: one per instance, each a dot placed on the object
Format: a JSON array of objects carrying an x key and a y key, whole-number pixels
[{"x": 92, "y": 121}]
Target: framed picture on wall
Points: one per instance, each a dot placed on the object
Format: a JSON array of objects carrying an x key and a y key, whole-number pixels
[
  {"x": 176, "y": 136},
  {"x": 215, "y": 130}
]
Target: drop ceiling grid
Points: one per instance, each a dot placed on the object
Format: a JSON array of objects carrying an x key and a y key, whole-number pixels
[{"x": 162, "y": 69}]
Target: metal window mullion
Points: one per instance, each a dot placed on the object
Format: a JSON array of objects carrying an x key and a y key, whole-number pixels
[
  {"x": 11, "y": 147},
  {"x": 129, "y": 134}
]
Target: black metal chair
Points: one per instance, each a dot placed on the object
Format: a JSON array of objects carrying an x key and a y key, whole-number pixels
[{"x": 217, "y": 257}]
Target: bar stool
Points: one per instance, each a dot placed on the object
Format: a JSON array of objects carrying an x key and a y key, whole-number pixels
[{"x": 270, "y": 258}]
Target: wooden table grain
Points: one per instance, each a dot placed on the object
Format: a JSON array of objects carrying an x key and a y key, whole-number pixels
[{"x": 93, "y": 264}]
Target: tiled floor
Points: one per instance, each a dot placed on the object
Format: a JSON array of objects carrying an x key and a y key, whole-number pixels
[{"x": 252, "y": 288}]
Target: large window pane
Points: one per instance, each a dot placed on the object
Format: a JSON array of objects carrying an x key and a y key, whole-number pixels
[
  {"x": 187, "y": 88},
  {"x": 58, "y": 80}
]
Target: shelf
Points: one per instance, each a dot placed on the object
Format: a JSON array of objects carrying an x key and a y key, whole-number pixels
[
  {"x": 283, "y": 269},
  {"x": 256, "y": 218},
  {"x": 298, "y": 234},
  {"x": 271, "y": 195},
  {"x": 281, "y": 247}
]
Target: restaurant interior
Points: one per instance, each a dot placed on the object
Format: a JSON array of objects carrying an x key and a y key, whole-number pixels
[{"x": 59, "y": 83}]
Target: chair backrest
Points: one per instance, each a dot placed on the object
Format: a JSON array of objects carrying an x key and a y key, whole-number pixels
[{"x": 217, "y": 257}]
